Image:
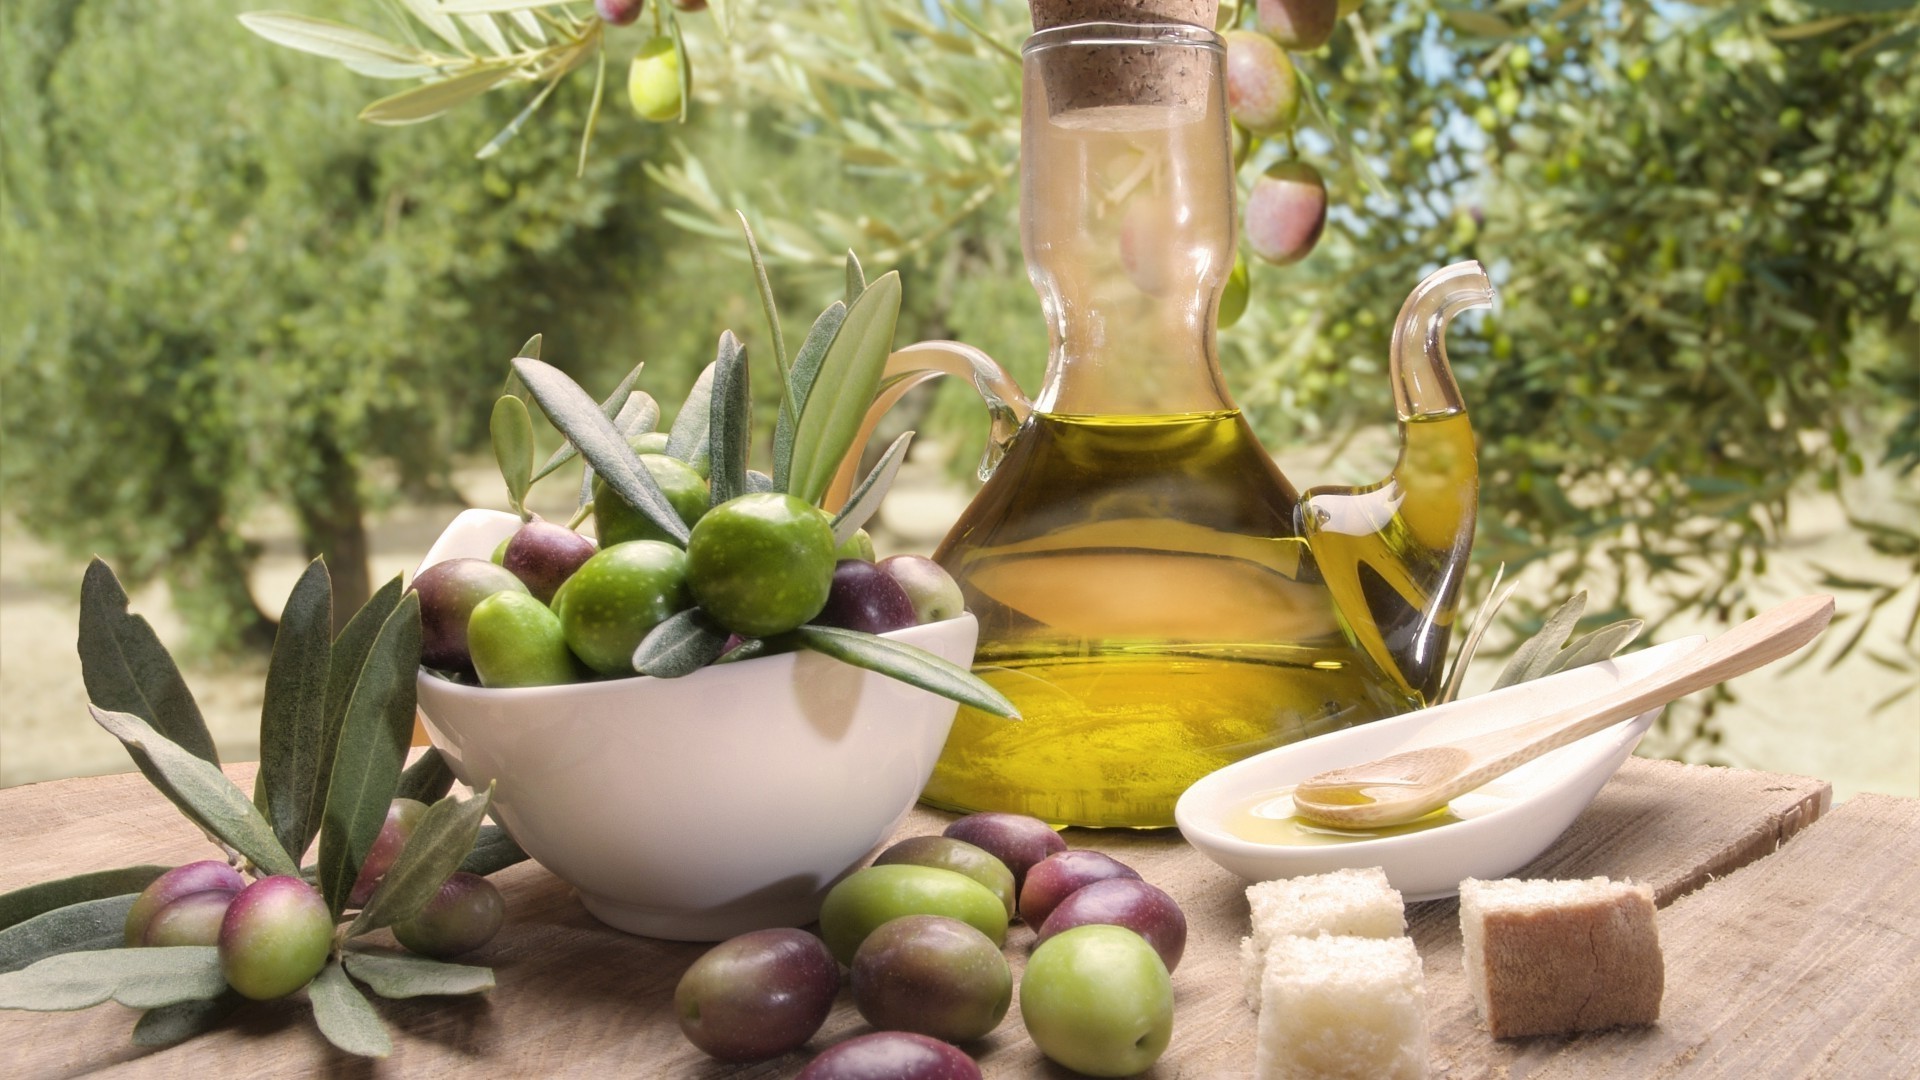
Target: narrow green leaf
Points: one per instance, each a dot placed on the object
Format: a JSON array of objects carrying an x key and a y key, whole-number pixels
[
  {"x": 293, "y": 713},
  {"x": 435, "y": 850},
  {"x": 1600, "y": 645},
  {"x": 772, "y": 312},
  {"x": 395, "y": 975},
  {"x": 20, "y": 905},
  {"x": 430, "y": 16},
  {"x": 176, "y": 1023},
  {"x": 688, "y": 438},
  {"x": 830, "y": 421},
  {"x": 593, "y": 108},
  {"x": 430, "y": 100},
  {"x": 1533, "y": 656},
  {"x": 372, "y": 745},
  {"x": 345, "y": 1016},
  {"x": 126, "y": 669},
  {"x": 427, "y": 780},
  {"x": 856, "y": 277},
  {"x": 349, "y": 656},
  {"x": 532, "y": 349},
  {"x": 89, "y": 924},
  {"x": 732, "y": 406},
  {"x": 759, "y": 483},
  {"x": 866, "y": 498},
  {"x": 639, "y": 415},
  {"x": 203, "y": 793},
  {"x": 136, "y": 978},
  {"x": 910, "y": 665},
  {"x": 611, "y": 406},
  {"x": 492, "y": 852},
  {"x": 333, "y": 40},
  {"x": 480, "y": 7},
  {"x": 806, "y": 367},
  {"x": 505, "y": 135},
  {"x": 511, "y": 428},
  {"x": 575, "y": 414},
  {"x": 682, "y": 64},
  {"x": 683, "y": 644}
]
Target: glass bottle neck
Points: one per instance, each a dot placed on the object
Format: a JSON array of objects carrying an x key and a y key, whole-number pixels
[{"x": 1127, "y": 215}]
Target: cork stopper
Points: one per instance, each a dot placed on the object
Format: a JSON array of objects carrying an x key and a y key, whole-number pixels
[
  {"x": 1048, "y": 14},
  {"x": 1145, "y": 77}
]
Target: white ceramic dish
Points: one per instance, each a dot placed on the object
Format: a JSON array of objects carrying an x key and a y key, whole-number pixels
[
  {"x": 1508, "y": 823},
  {"x": 701, "y": 807}
]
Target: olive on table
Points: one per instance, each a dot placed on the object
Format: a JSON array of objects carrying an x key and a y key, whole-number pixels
[
  {"x": 1017, "y": 840},
  {"x": 274, "y": 938},
  {"x": 891, "y": 1055},
  {"x": 1098, "y": 1000},
  {"x": 464, "y": 915},
  {"x": 194, "y": 919},
  {"x": 1058, "y": 876},
  {"x": 194, "y": 877},
  {"x": 403, "y": 816},
  {"x": 867, "y": 898},
  {"x": 932, "y": 975},
  {"x": 758, "y": 995},
  {"x": 1127, "y": 902},
  {"x": 959, "y": 856}
]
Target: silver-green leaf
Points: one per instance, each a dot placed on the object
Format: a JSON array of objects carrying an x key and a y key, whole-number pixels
[
  {"x": 439, "y": 843},
  {"x": 333, "y": 40},
  {"x": 86, "y": 925},
  {"x": 806, "y": 366},
  {"x": 1599, "y": 645},
  {"x": 426, "y": 780},
  {"x": 395, "y": 975},
  {"x": 493, "y": 851},
  {"x": 611, "y": 406},
  {"x": 176, "y": 1023},
  {"x": 830, "y": 421},
  {"x": 203, "y": 792},
  {"x": 683, "y": 644},
  {"x": 582, "y": 422},
  {"x": 372, "y": 747},
  {"x": 345, "y": 1016},
  {"x": 1530, "y": 660},
  {"x": 732, "y": 408},
  {"x": 688, "y": 438},
  {"x": 349, "y": 656},
  {"x": 136, "y": 978},
  {"x": 127, "y": 669},
  {"x": 511, "y": 428},
  {"x": 856, "y": 277},
  {"x": 866, "y": 498},
  {"x": 429, "y": 100},
  {"x": 293, "y": 712},
  {"x": 20, "y": 905},
  {"x": 910, "y": 665}
]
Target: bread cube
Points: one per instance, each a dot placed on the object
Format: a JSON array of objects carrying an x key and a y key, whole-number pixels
[
  {"x": 1354, "y": 903},
  {"x": 1553, "y": 957},
  {"x": 1342, "y": 1007}
]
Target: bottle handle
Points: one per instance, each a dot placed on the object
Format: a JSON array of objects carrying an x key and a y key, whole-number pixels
[{"x": 922, "y": 362}]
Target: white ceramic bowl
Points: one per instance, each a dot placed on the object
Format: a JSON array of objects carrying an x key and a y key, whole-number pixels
[
  {"x": 700, "y": 807},
  {"x": 1508, "y": 823}
]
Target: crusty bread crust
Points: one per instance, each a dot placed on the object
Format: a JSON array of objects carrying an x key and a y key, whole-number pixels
[{"x": 1555, "y": 957}]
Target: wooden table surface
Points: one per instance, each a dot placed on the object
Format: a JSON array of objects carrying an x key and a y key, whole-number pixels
[{"x": 1790, "y": 943}]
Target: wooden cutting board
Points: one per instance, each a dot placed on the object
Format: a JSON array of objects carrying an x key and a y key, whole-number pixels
[{"x": 578, "y": 998}]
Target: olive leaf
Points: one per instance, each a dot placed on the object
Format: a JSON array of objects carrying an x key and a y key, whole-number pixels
[
  {"x": 687, "y": 439},
  {"x": 1483, "y": 618},
  {"x": 435, "y": 850},
  {"x": 293, "y": 711},
  {"x": 830, "y": 422},
  {"x": 182, "y": 1020},
  {"x": 856, "y": 277},
  {"x": 1530, "y": 660},
  {"x": 433, "y": 99},
  {"x": 426, "y": 780},
  {"x": 345, "y": 1016},
  {"x": 493, "y": 850},
  {"x": 910, "y": 665},
  {"x": 682, "y": 63},
  {"x": 348, "y": 656},
  {"x": 575, "y": 414},
  {"x": 395, "y": 975},
  {"x": 788, "y": 405},
  {"x": 1594, "y": 647},
  {"x": 372, "y": 745},
  {"x": 203, "y": 792},
  {"x": 682, "y": 644},
  {"x": 865, "y": 499},
  {"x": 136, "y": 978},
  {"x": 511, "y": 428},
  {"x": 806, "y": 366},
  {"x": 610, "y": 407},
  {"x": 88, "y": 924},
  {"x": 733, "y": 407},
  {"x": 329, "y": 39},
  {"x": 638, "y": 416},
  {"x": 20, "y": 905},
  {"x": 126, "y": 669}
]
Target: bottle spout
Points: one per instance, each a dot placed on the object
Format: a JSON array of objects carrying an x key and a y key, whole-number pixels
[{"x": 1423, "y": 384}]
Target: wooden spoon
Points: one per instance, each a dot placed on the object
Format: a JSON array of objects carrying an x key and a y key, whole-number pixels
[{"x": 1408, "y": 786}]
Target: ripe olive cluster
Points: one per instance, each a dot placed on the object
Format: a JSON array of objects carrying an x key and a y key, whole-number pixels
[
  {"x": 1287, "y": 208},
  {"x": 920, "y": 933},
  {"x": 275, "y": 934},
  {"x": 555, "y": 607}
]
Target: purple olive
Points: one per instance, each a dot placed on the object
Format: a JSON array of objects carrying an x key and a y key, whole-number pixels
[
  {"x": 619, "y": 12},
  {"x": 935, "y": 595},
  {"x": 275, "y": 937},
  {"x": 1057, "y": 877},
  {"x": 461, "y": 917},
  {"x": 865, "y": 597},
  {"x": 891, "y": 1055},
  {"x": 402, "y": 817},
  {"x": 946, "y": 853},
  {"x": 1299, "y": 25},
  {"x": 1286, "y": 212},
  {"x": 758, "y": 995},
  {"x": 206, "y": 875},
  {"x": 543, "y": 555},
  {"x": 448, "y": 592},
  {"x": 931, "y": 975},
  {"x": 1017, "y": 840},
  {"x": 194, "y": 919},
  {"x": 1127, "y": 902}
]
